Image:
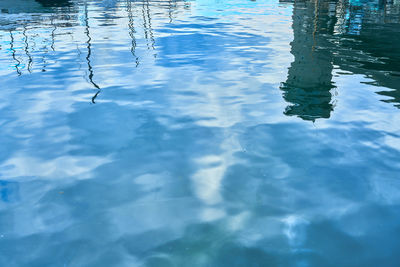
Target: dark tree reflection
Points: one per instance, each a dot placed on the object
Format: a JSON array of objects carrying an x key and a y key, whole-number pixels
[
  {"x": 54, "y": 3},
  {"x": 309, "y": 79}
]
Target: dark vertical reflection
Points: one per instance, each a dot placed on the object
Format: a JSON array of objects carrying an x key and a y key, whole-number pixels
[
  {"x": 54, "y": 3},
  {"x": 309, "y": 80},
  {"x": 145, "y": 29},
  {"x": 148, "y": 31},
  {"x": 132, "y": 31},
  {"x": 18, "y": 63},
  {"x": 150, "y": 28},
  {"x": 9, "y": 191},
  {"x": 26, "y": 49},
  {"x": 358, "y": 37},
  {"x": 45, "y": 50},
  {"x": 371, "y": 46},
  {"x": 53, "y": 33},
  {"x": 89, "y": 53},
  {"x": 170, "y": 11}
]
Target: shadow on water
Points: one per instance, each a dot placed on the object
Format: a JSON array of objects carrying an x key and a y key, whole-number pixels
[
  {"x": 353, "y": 36},
  {"x": 9, "y": 191}
]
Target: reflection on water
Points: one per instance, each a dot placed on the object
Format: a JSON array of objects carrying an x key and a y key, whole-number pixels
[
  {"x": 199, "y": 133},
  {"x": 54, "y": 3},
  {"x": 309, "y": 83},
  {"x": 329, "y": 33},
  {"x": 89, "y": 53}
]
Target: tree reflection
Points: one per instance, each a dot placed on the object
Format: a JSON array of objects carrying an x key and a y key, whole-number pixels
[
  {"x": 309, "y": 79},
  {"x": 54, "y": 3}
]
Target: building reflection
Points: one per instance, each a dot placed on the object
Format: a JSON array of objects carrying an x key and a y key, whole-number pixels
[
  {"x": 370, "y": 47},
  {"x": 353, "y": 36}
]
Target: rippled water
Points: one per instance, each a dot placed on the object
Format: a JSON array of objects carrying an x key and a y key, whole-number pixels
[{"x": 199, "y": 133}]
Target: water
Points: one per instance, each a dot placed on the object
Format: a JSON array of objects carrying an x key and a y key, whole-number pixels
[{"x": 199, "y": 133}]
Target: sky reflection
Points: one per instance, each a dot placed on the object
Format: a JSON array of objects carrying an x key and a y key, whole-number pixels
[{"x": 209, "y": 133}]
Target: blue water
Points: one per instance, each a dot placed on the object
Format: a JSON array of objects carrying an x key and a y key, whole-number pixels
[{"x": 199, "y": 133}]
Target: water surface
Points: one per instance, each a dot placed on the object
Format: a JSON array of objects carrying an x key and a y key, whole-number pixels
[{"x": 199, "y": 133}]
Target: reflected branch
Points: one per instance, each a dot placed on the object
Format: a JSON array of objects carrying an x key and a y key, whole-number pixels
[
  {"x": 89, "y": 53},
  {"x": 170, "y": 11},
  {"x": 145, "y": 26},
  {"x": 132, "y": 31},
  {"x": 44, "y": 57},
  {"x": 150, "y": 28},
  {"x": 53, "y": 34},
  {"x": 13, "y": 54},
  {"x": 95, "y": 96},
  {"x": 26, "y": 48}
]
